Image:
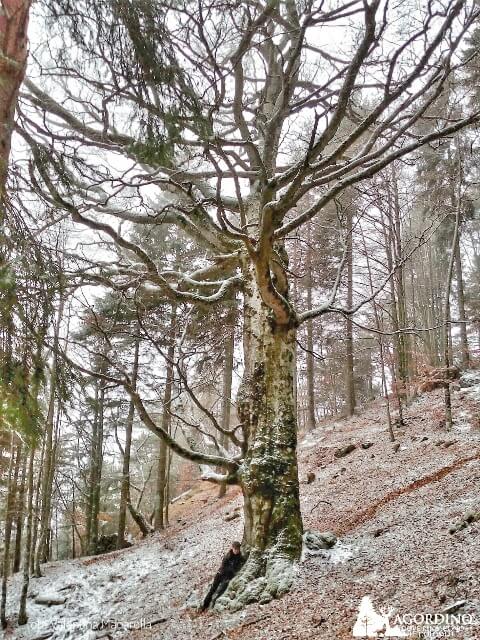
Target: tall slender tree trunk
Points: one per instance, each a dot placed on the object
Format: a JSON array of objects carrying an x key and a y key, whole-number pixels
[
  {"x": 48, "y": 468},
  {"x": 295, "y": 364},
  {"x": 379, "y": 326},
  {"x": 349, "y": 359},
  {"x": 310, "y": 362},
  {"x": 97, "y": 471},
  {"x": 19, "y": 516},
  {"x": 448, "y": 287},
  {"x": 158, "y": 518},
  {"x": 227, "y": 390},
  {"x": 27, "y": 547},
  {"x": 398, "y": 384},
  {"x": 36, "y": 509},
  {"x": 32, "y": 489},
  {"x": 92, "y": 470},
  {"x": 399, "y": 280},
  {"x": 168, "y": 487},
  {"x": 462, "y": 316},
  {"x": 74, "y": 507},
  {"x": 13, "y": 471},
  {"x": 13, "y": 52},
  {"x": 432, "y": 309},
  {"x": 125, "y": 488}
]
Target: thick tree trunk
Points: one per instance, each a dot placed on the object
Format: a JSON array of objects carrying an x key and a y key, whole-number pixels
[{"x": 269, "y": 475}]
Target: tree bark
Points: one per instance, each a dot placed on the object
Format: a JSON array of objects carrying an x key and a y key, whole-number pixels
[
  {"x": 158, "y": 519},
  {"x": 14, "y": 467},
  {"x": 399, "y": 287},
  {"x": 125, "y": 488},
  {"x": 448, "y": 287},
  {"x": 36, "y": 509},
  {"x": 397, "y": 382},
  {"x": 462, "y": 316},
  {"x": 27, "y": 547},
  {"x": 13, "y": 62},
  {"x": 48, "y": 468},
  {"x": 91, "y": 474},
  {"x": 19, "y": 515},
  {"x": 311, "y": 417},
  {"x": 140, "y": 520},
  {"x": 227, "y": 390},
  {"x": 97, "y": 462},
  {"x": 168, "y": 487},
  {"x": 349, "y": 359},
  {"x": 269, "y": 475},
  {"x": 379, "y": 326}
]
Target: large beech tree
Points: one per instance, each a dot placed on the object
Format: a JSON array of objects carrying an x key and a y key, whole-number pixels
[{"x": 219, "y": 118}]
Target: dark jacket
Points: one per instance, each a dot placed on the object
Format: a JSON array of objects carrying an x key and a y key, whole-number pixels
[{"x": 231, "y": 564}]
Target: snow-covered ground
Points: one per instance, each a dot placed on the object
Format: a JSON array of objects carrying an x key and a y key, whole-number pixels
[{"x": 391, "y": 510}]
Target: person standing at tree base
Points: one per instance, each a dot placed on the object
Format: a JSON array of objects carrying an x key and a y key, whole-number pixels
[{"x": 231, "y": 564}]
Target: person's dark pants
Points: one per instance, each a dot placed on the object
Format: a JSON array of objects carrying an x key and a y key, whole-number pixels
[{"x": 219, "y": 585}]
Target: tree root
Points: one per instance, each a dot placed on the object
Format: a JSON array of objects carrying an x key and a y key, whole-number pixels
[{"x": 265, "y": 576}]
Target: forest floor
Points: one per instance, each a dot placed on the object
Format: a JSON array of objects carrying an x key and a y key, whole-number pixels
[{"x": 391, "y": 510}]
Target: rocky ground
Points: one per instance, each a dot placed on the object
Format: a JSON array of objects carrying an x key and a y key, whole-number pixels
[{"x": 404, "y": 514}]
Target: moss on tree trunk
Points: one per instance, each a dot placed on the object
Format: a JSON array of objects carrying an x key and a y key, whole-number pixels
[{"x": 269, "y": 474}]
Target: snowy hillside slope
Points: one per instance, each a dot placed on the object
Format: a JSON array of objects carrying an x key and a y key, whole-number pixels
[{"x": 392, "y": 511}]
